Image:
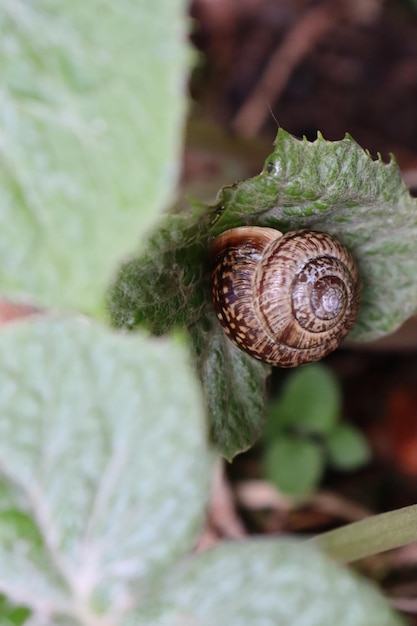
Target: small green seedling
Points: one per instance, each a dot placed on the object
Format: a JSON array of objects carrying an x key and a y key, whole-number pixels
[{"x": 305, "y": 432}]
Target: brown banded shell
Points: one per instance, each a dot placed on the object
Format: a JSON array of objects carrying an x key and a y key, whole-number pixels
[{"x": 284, "y": 299}]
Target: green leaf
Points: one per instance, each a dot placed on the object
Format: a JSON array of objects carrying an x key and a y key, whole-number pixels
[
  {"x": 331, "y": 186},
  {"x": 104, "y": 466},
  {"x": 11, "y": 615},
  {"x": 268, "y": 582},
  {"x": 309, "y": 401},
  {"x": 91, "y": 113},
  {"x": 347, "y": 447},
  {"x": 166, "y": 287},
  {"x": 235, "y": 386},
  {"x": 337, "y": 188},
  {"x": 294, "y": 464}
]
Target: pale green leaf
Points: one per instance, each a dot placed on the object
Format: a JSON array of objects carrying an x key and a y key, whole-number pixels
[
  {"x": 266, "y": 583},
  {"x": 294, "y": 464},
  {"x": 309, "y": 401},
  {"x": 104, "y": 466},
  {"x": 91, "y": 107},
  {"x": 347, "y": 447}
]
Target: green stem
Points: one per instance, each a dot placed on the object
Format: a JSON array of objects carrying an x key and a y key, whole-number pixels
[{"x": 370, "y": 536}]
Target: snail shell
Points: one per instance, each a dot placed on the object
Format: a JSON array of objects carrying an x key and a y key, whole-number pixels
[{"x": 284, "y": 299}]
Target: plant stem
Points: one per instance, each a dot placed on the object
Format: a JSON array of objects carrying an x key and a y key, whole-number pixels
[{"x": 370, "y": 536}]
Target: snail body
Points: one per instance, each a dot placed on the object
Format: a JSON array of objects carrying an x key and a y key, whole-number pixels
[{"x": 285, "y": 299}]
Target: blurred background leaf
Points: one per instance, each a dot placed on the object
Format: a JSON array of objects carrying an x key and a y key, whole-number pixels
[
  {"x": 248, "y": 583},
  {"x": 89, "y": 149},
  {"x": 309, "y": 401},
  {"x": 304, "y": 432},
  {"x": 347, "y": 447},
  {"x": 101, "y": 490},
  {"x": 293, "y": 464}
]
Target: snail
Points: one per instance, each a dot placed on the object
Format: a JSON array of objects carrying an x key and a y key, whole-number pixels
[{"x": 285, "y": 299}]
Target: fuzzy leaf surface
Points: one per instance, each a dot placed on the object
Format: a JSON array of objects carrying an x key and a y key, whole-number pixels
[
  {"x": 168, "y": 286},
  {"x": 334, "y": 187},
  {"x": 273, "y": 583},
  {"x": 89, "y": 149},
  {"x": 101, "y": 487},
  {"x": 235, "y": 386}
]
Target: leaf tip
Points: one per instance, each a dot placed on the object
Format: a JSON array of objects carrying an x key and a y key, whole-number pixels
[
  {"x": 348, "y": 137},
  {"x": 282, "y": 135},
  {"x": 392, "y": 159}
]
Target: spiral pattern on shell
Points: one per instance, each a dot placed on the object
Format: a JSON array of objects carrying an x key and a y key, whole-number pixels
[{"x": 284, "y": 299}]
